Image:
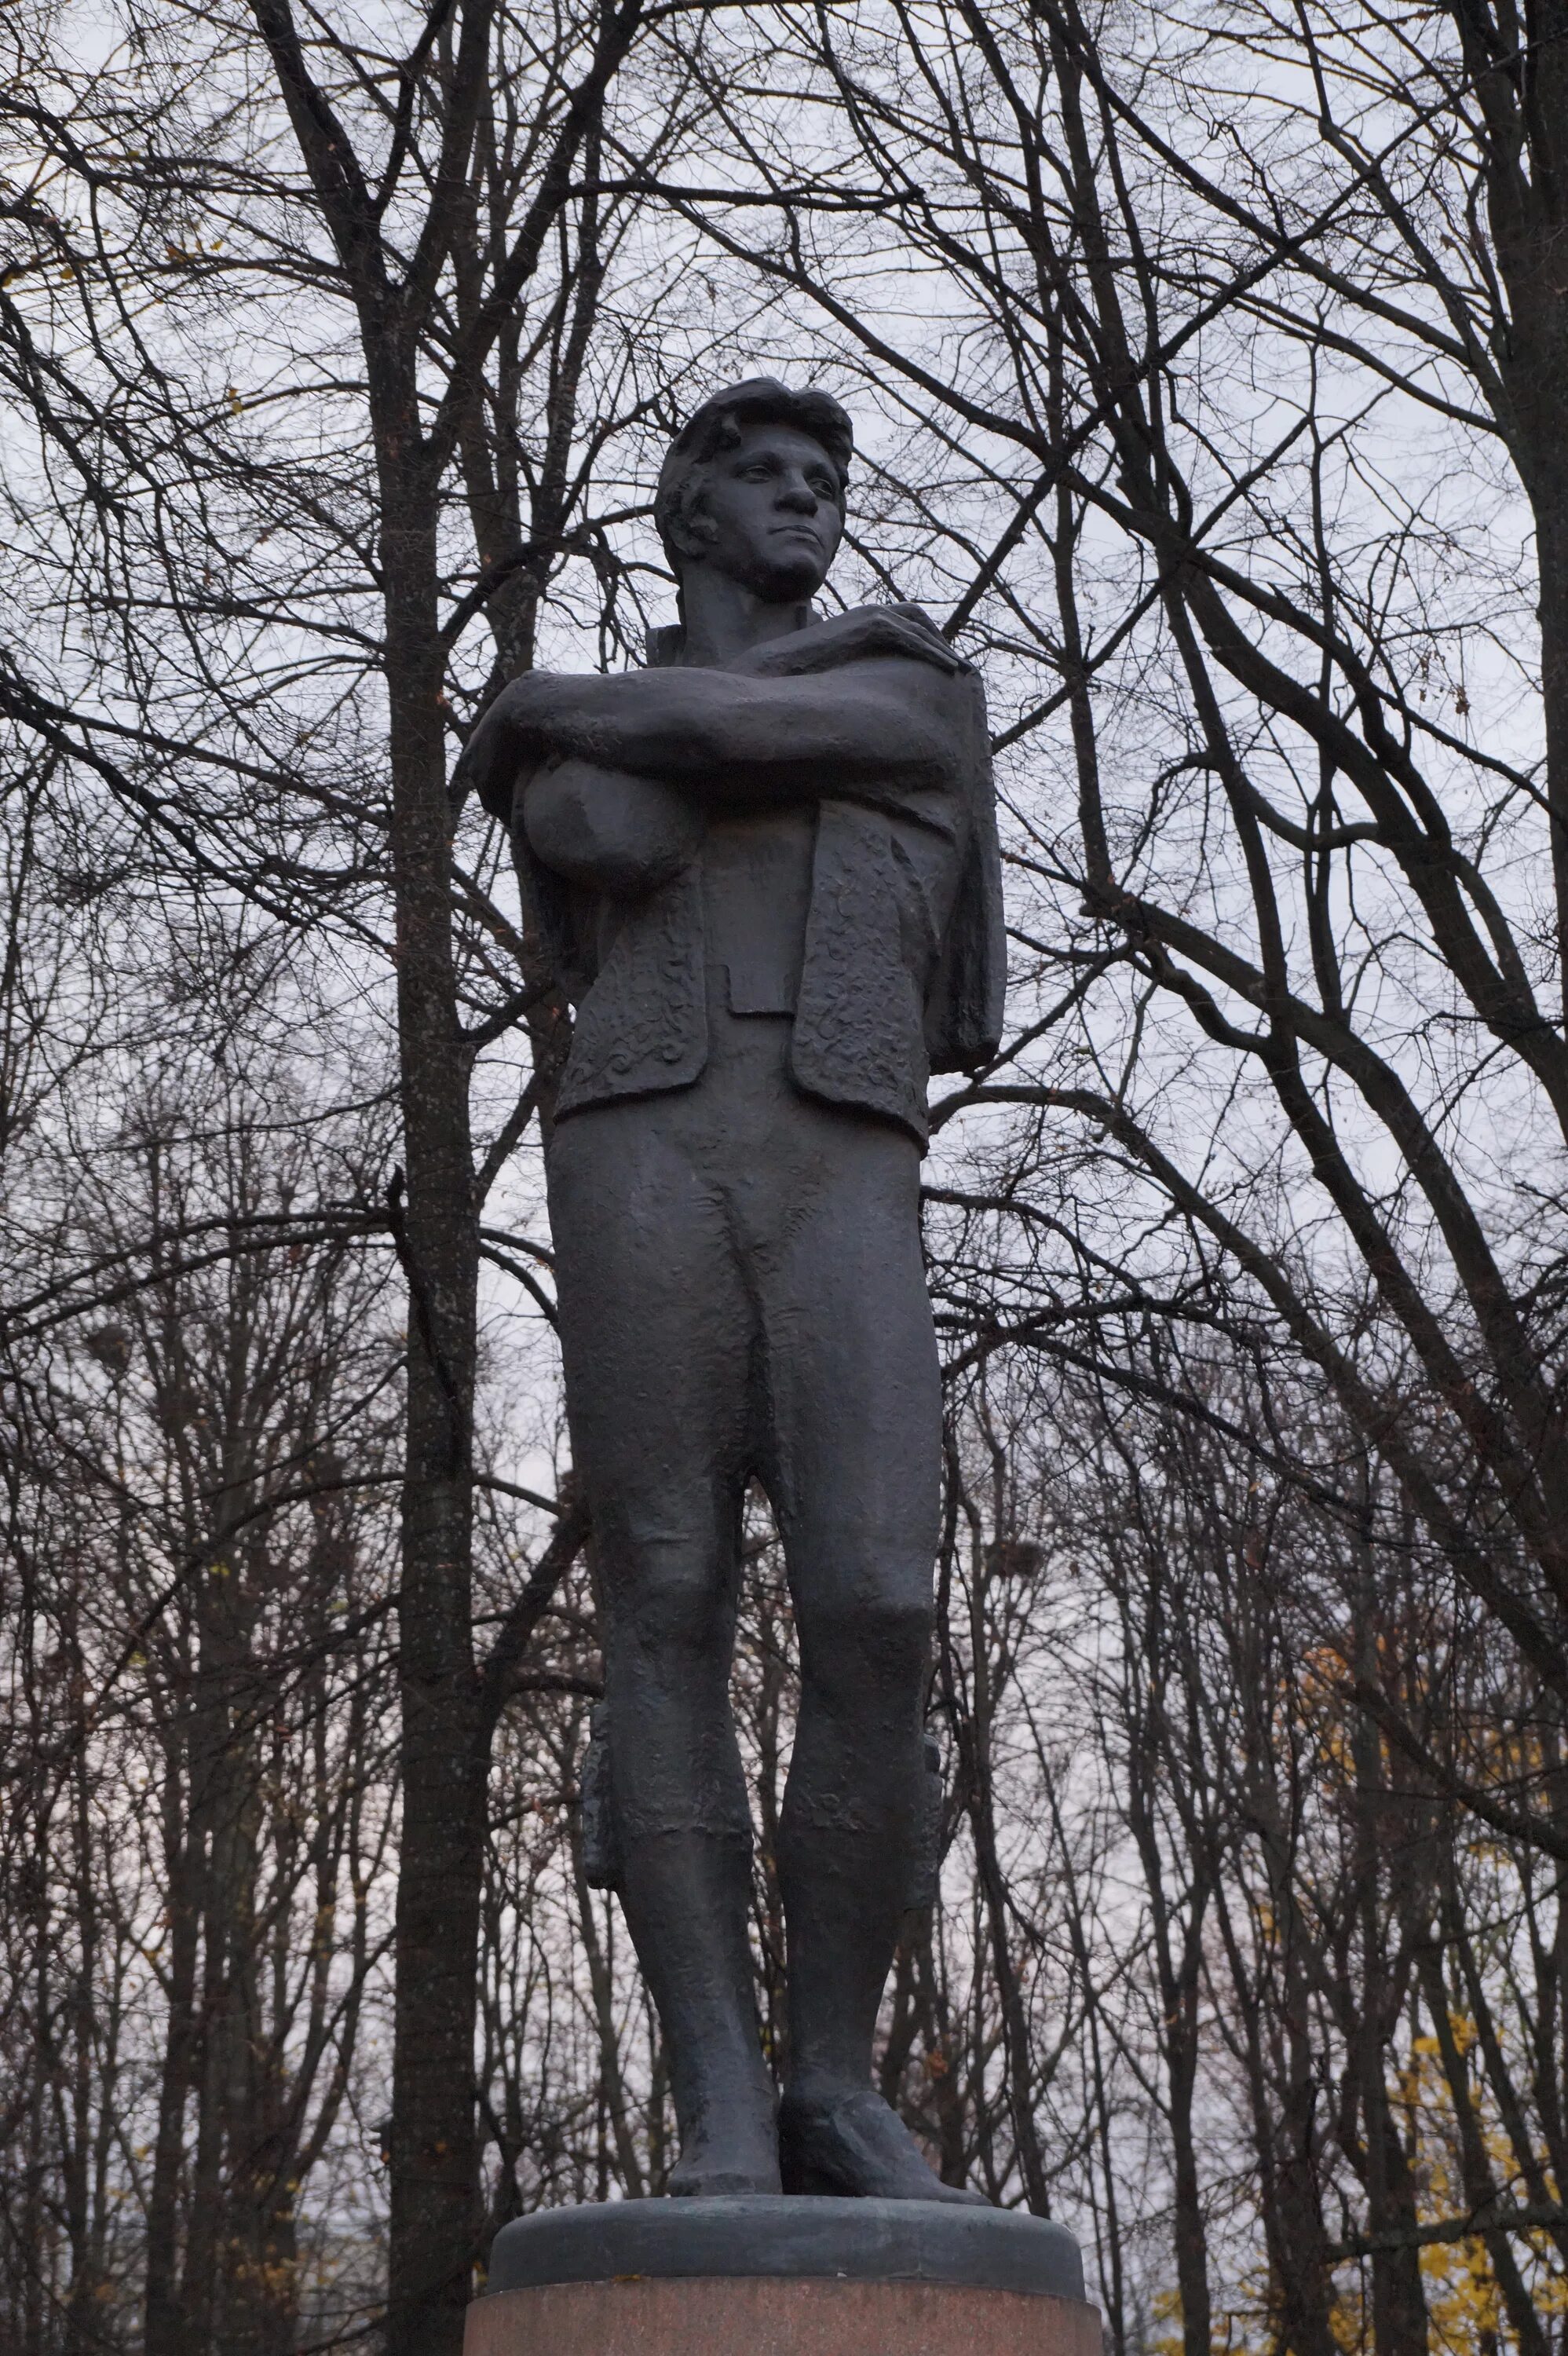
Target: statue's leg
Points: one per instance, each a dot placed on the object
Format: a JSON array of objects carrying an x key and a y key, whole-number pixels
[
  {"x": 656, "y": 1334},
  {"x": 853, "y": 1376}
]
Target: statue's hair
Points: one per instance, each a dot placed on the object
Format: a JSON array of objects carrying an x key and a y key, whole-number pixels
[{"x": 717, "y": 426}]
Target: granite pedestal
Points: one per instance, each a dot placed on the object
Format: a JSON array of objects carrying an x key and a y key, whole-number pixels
[{"x": 782, "y": 2277}]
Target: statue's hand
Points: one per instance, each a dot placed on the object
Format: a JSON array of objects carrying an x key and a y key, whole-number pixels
[
  {"x": 608, "y": 830},
  {"x": 849, "y": 638}
]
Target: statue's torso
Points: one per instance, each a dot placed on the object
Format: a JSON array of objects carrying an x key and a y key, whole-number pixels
[
  {"x": 867, "y": 928},
  {"x": 756, "y": 887}
]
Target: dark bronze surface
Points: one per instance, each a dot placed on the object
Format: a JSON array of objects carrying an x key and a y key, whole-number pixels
[{"x": 765, "y": 867}]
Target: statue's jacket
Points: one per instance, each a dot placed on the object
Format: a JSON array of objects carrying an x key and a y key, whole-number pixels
[{"x": 902, "y": 969}]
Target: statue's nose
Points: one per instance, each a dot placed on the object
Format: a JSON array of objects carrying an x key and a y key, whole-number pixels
[{"x": 796, "y": 492}]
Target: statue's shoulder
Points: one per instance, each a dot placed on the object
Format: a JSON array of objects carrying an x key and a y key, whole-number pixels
[
  {"x": 833, "y": 642},
  {"x": 864, "y": 634}
]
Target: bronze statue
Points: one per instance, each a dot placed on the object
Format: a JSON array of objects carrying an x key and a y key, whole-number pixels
[{"x": 766, "y": 870}]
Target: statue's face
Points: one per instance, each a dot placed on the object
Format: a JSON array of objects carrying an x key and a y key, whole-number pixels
[{"x": 770, "y": 508}]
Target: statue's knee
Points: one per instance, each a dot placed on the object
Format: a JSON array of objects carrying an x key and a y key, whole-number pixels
[
  {"x": 671, "y": 1600},
  {"x": 879, "y": 1639}
]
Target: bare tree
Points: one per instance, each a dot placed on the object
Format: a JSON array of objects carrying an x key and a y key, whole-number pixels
[
  {"x": 406, "y": 254},
  {"x": 1281, "y": 957},
  {"x": 331, "y": 352}
]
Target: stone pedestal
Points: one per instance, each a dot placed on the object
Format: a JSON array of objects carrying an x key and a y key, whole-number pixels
[{"x": 782, "y": 2277}]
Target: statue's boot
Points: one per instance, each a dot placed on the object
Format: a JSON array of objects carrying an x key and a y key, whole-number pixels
[
  {"x": 851, "y": 2144},
  {"x": 686, "y": 1896},
  {"x": 848, "y": 1870}
]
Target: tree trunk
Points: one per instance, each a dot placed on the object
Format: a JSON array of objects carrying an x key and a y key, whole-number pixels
[
  {"x": 434, "y": 2215},
  {"x": 182, "y": 1836},
  {"x": 1523, "y": 96}
]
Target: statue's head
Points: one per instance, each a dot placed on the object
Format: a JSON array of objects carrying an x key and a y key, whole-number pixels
[{"x": 753, "y": 485}]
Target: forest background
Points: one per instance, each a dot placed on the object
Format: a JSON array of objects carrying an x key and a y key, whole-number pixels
[{"x": 1210, "y": 369}]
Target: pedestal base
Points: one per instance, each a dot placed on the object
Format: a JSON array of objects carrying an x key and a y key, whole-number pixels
[{"x": 782, "y": 2277}]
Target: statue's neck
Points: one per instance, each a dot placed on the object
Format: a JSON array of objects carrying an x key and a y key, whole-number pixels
[{"x": 721, "y": 619}]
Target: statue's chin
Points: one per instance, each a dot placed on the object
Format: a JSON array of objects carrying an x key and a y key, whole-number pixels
[{"x": 783, "y": 581}]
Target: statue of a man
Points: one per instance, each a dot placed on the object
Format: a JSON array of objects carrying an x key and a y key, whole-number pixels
[{"x": 766, "y": 870}]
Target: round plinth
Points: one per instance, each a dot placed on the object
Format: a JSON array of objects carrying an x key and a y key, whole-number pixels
[{"x": 782, "y": 2277}]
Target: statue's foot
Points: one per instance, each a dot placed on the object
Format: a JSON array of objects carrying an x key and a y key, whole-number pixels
[
  {"x": 853, "y": 2144},
  {"x": 725, "y": 2161}
]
